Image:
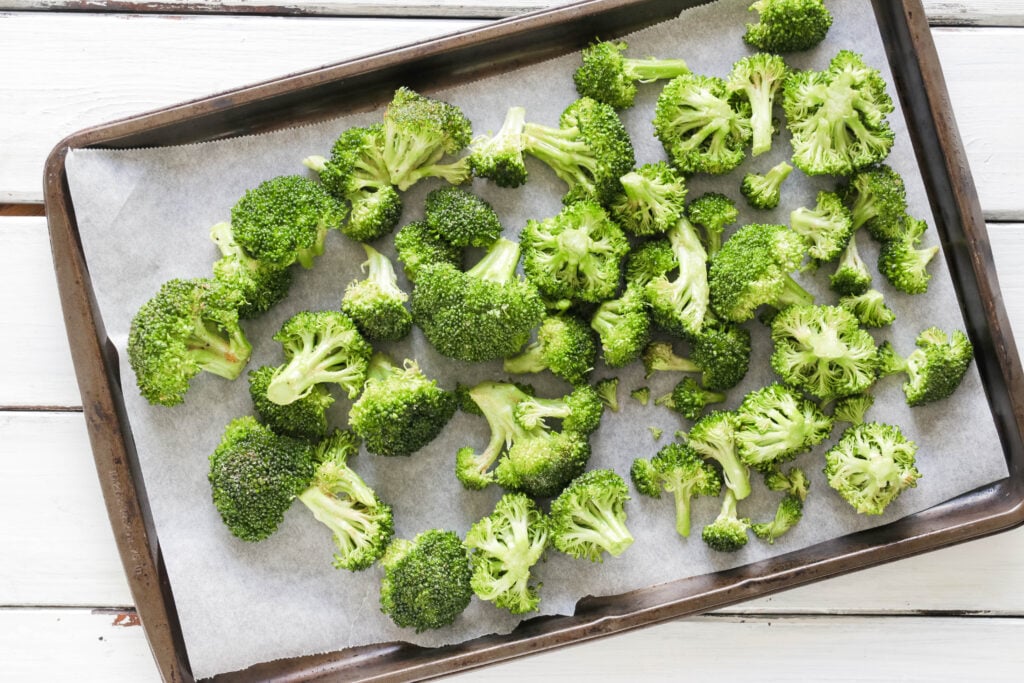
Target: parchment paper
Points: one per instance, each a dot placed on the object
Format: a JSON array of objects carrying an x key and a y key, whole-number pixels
[{"x": 144, "y": 217}]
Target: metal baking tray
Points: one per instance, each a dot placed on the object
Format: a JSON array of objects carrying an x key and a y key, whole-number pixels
[{"x": 368, "y": 83}]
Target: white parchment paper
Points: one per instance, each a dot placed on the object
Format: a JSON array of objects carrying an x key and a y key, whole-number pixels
[{"x": 144, "y": 217}]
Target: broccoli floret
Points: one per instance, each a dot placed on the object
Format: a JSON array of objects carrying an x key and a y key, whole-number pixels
[
  {"x": 427, "y": 581},
  {"x": 827, "y": 227},
  {"x": 575, "y": 255},
  {"x": 400, "y": 410},
  {"x": 499, "y": 157},
  {"x": 321, "y": 347},
  {"x": 789, "y": 512},
  {"x": 651, "y": 200},
  {"x": 869, "y": 308},
  {"x": 608, "y": 77},
  {"x": 714, "y": 437},
  {"x": 608, "y": 390},
  {"x": 503, "y": 547},
  {"x": 589, "y": 518},
  {"x": 698, "y": 126},
  {"x": 934, "y": 369},
  {"x": 852, "y": 276},
  {"x": 302, "y": 419},
  {"x": 788, "y": 25},
  {"x": 871, "y": 465},
  {"x": 650, "y": 260},
  {"x": 775, "y": 424},
  {"x": 187, "y": 327},
  {"x": 837, "y": 117},
  {"x": 255, "y": 475},
  {"x": 852, "y": 409},
  {"x": 360, "y": 523},
  {"x": 823, "y": 351},
  {"x": 285, "y": 220},
  {"x": 656, "y": 432},
  {"x": 641, "y": 395},
  {"x": 756, "y": 79},
  {"x": 793, "y": 482},
  {"x": 679, "y": 306},
  {"x": 728, "y": 533},
  {"x": 714, "y": 212},
  {"x": 579, "y": 412},
  {"x": 878, "y": 201},
  {"x": 261, "y": 284},
  {"x": 623, "y": 327},
  {"x": 721, "y": 353},
  {"x": 482, "y": 314},
  {"x": 765, "y": 191},
  {"x": 753, "y": 269},
  {"x": 565, "y": 345},
  {"x": 417, "y": 248},
  {"x": 377, "y": 304},
  {"x": 689, "y": 399},
  {"x": 902, "y": 263},
  {"x": 676, "y": 469},
  {"x": 461, "y": 218}
]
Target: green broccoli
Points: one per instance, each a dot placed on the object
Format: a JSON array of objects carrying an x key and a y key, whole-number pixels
[
  {"x": 641, "y": 395},
  {"x": 400, "y": 410},
  {"x": 650, "y": 260},
  {"x": 689, "y": 399},
  {"x": 623, "y": 327},
  {"x": 827, "y": 228},
  {"x": 417, "y": 248},
  {"x": 756, "y": 79},
  {"x": 714, "y": 212},
  {"x": 877, "y": 199},
  {"x": 302, "y": 419},
  {"x": 934, "y": 369},
  {"x": 851, "y": 276},
  {"x": 503, "y": 548},
  {"x": 852, "y": 409},
  {"x": 360, "y": 523},
  {"x": 376, "y": 304},
  {"x": 575, "y": 255},
  {"x": 255, "y": 475},
  {"x": 460, "y": 218},
  {"x": 589, "y": 518},
  {"x": 608, "y": 390},
  {"x": 728, "y": 533},
  {"x": 609, "y": 77},
  {"x": 793, "y": 481},
  {"x": 765, "y": 191},
  {"x": 714, "y": 437},
  {"x": 187, "y": 327},
  {"x": 837, "y": 117},
  {"x": 823, "y": 351},
  {"x": 321, "y": 347},
  {"x": 676, "y": 469},
  {"x": 789, "y": 512},
  {"x": 565, "y": 345},
  {"x": 651, "y": 200},
  {"x": 721, "y": 353},
  {"x": 580, "y": 411},
  {"x": 776, "y": 423},
  {"x": 753, "y": 269},
  {"x": 285, "y": 220},
  {"x": 870, "y": 466},
  {"x": 427, "y": 581},
  {"x": 902, "y": 263},
  {"x": 679, "y": 306},
  {"x": 499, "y": 157},
  {"x": 481, "y": 314},
  {"x": 788, "y": 25},
  {"x": 261, "y": 284},
  {"x": 869, "y": 308},
  {"x": 698, "y": 126}
]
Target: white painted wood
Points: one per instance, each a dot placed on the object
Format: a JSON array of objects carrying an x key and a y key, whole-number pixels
[{"x": 975, "y": 12}]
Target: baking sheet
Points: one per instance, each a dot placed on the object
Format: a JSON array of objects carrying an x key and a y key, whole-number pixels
[{"x": 143, "y": 216}]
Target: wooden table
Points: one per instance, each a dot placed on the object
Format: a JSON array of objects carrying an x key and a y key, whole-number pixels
[{"x": 65, "y": 610}]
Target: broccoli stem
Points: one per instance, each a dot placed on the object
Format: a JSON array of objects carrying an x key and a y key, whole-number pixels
[
  {"x": 793, "y": 294},
  {"x": 562, "y": 150},
  {"x": 380, "y": 367},
  {"x": 647, "y": 70},
  {"x": 379, "y": 269},
  {"x": 602, "y": 527},
  {"x": 761, "y": 122},
  {"x": 497, "y": 403},
  {"x": 499, "y": 263},
  {"x": 225, "y": 240},
  {"x": 213, "y": 352},
  {"x": 315, "y": 162},
  {"x": 529, "y": 361}
]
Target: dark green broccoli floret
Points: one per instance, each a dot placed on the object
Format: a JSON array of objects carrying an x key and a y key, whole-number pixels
[
  {"x": 580, "y": 411},
  {"x": 902, "y": 263},
  {"x": 775, "y": 424},
  {"x": 641, "y": 395},
  {"x": 753, "y": 269},
  {"x": 871, "y": 465},
  {"x": 285, "y": 220},
  {"x": 302, "y": 419},
  {"x": 823, "y": 351},
  {"x": 589, "y": 518},
  {"x": 565, "y": 345},
  {"x": 689, "y": 399},
  {"x": 575, "y": 255},
  {"x": 878, "y": 201},
  {"x": 698, "y": 126},
  {"x": 652, "y": 199},
  {"x": 837, "y": 117},
  {"x": 765, "y": 191},
  {"x": 721, "y": 353},
  {"x": 827, "y": 227},
  {"x": 679, "y": 306},
  {"x": 934, "y": 369},
  {"x": 650, "y": 260},
  {"x": 482, "y": 314},
  {"x": 608, "y": 390},
  {"x": 788, "y": 25},
  {"x": 499, "y": 157},
  {"x": 187, "y": 327},
  {"x": 714, "y": 437},
  {"x": 255, "y": 475},
  {"x": 360, "y": 523},
  {"x": 676, "y": 469},
  {"x": 852, "y": 276},
  {"x": 756, "y": 79},
  {"x": 714, "y": 212},
  {"x": 609, "y": 77},
  {"x": 321, "y": 347},
  {"x": 461, "y": 218},
  {"x": 376, "y": 304},
  {"x": 427, "y": 581},
  {"x": 869, "y": 308},
  {"x": 400, "y": 410},
  {"x": 789, "y": 512},
  {"x": 260, "y": 284},
  {"x": 417, "y": 248},
  {"x": 503, "y": 547},
  {"x": 728, "y": 533},
  {"x": 623, "y": 326},
  {"x": 852, "y": 409}
]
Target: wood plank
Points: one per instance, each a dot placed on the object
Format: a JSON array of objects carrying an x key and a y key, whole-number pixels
[{"x": 974, "y": 12}]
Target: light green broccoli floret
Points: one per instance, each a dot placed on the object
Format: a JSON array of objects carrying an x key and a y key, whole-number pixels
[
  {"x": 565, "y": 345},
  {"x": 302, "y": 419},
  {"x": 775, "y": 424},
  {"x": 827, "y": 228},
  {"x": 623, "y": 327},
  {"x": 756, "y": 79},
  {"x": 689, "y": 399},
  {"x": 376, "y": 304},
  {"x": 677, "y": 470},
  {"x": 902, "y": 263},
  {"x": 934, "y": 369},
  {"x": 869, "y": 308},
  {"x": 728, "y": 533},
  {"x": 871, "y": 465},
  {"x": 765, "y": 191},
  {"x": 608, "y": 76},
  {"x": 651, "y": 201},
  {"x": 589, "y": 518}
]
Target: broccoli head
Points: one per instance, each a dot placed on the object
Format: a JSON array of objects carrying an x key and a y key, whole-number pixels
[
  {"x": 565, "y": 345},
  {"x": 902, "y": 263},
  {"x": 689, "y": 399},
  {"x": 714, "y": 212},
  {"x": 623, "y": 327},
  {"x": 651, "y": 201},
  {"x": 765, "y": 191},
  {"x": 609, "y": 77},
  {"x": 589, "y": 518},
  {"x": 827, "y": 228},
  {"x": 418, "y": 247},
  {"x": 721, "y": 353},
  {"x": 870, "y": 466},
  {"x": 851, "y": 277},
  {"x": 376, "y": 304},
  {"x": 302, "y": 419},
  {"x": 460, "y": 218},
  {"x": 677, "y": 470},
  {"x": 934, "y": 369},
  {"x": 728, "y": 533},
  {"x": 608, "y": 391},
  {"x": 775, "y": 424},
  {"x": 789, "y": 512},
  {"x": 877, "y": 199},
  {"x": 650, "y": 260},
  {"x": 679, "y": 306},
  {"x": 869, "y": 308},
  {"x": 499, "y": 157},
  {"x": 788, "y": 25},
  {"x": 641, "y": 395},
  {"x": 756, "y": 79},
  {"x": 713, "y": 437},
  {"x": 260, "y": 284}
]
